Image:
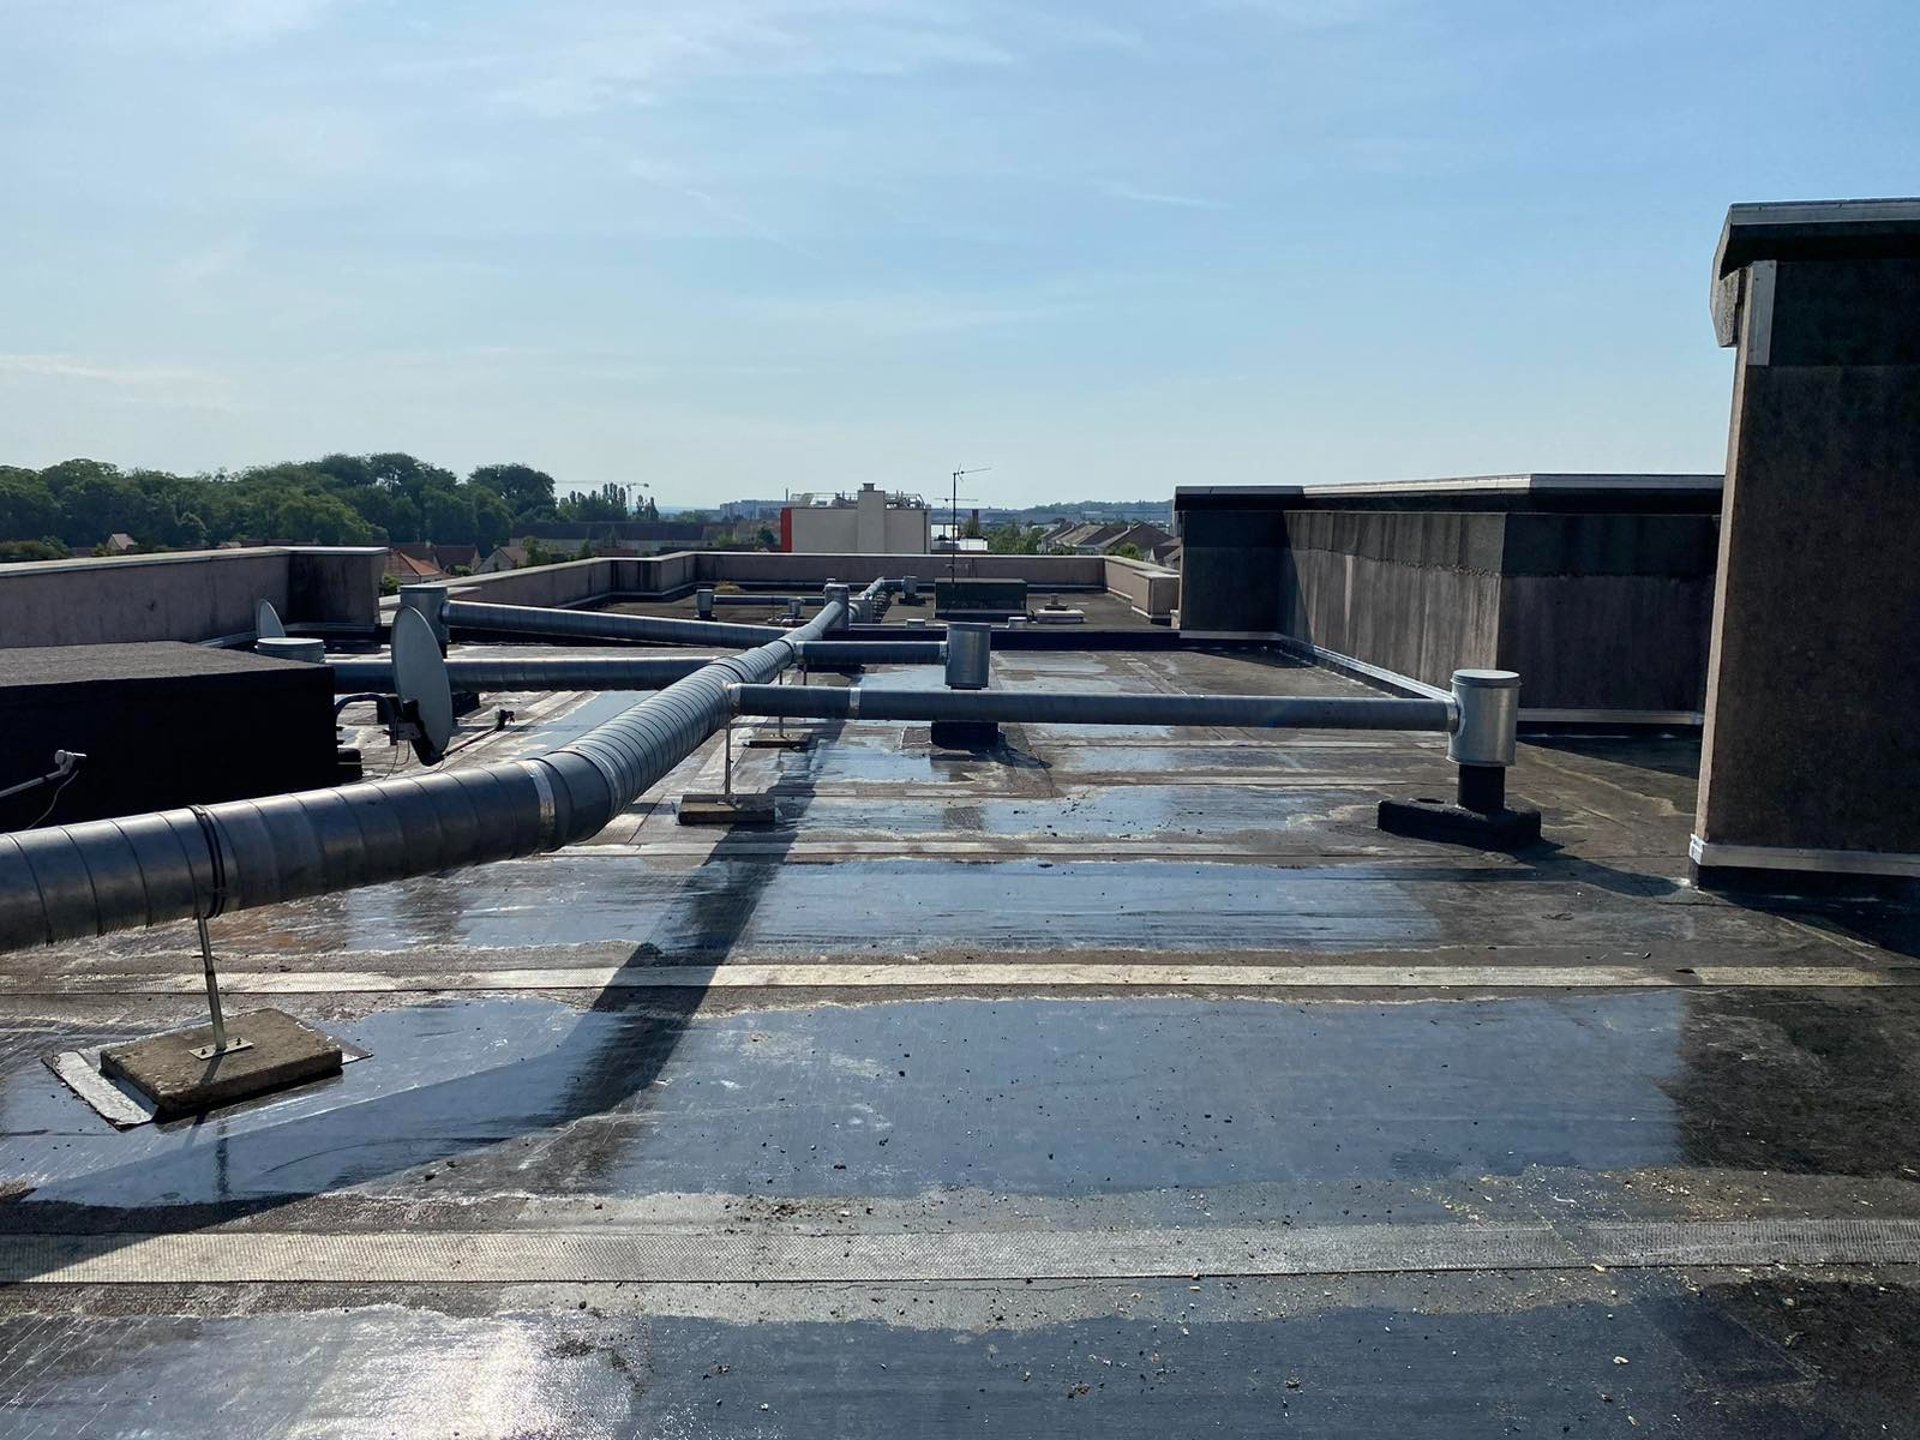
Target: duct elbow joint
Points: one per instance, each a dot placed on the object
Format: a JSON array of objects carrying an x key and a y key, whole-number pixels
[{"x": 1483, "y": 717}]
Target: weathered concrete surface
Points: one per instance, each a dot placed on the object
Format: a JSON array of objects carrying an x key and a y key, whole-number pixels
[
  {"x": 1810, "y": 741},
  {"x": 280, "y": 1052}
]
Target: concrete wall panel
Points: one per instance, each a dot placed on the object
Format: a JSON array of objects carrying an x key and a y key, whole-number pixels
[{"x": 194, "y": 595}]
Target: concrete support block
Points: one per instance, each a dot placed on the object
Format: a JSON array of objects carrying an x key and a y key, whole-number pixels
[
  {"x": 735, "y": 809},
  {"x": 1809, "y": 756},
  {"x": 971, "y": 735},
  {"x": 281, "y": 1052}
]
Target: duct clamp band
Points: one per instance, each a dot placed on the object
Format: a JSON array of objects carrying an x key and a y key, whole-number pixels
[{"x": 543, "y": 789}]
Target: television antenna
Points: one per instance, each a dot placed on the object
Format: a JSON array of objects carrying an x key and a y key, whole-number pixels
[{"x": 953, "y": 520}]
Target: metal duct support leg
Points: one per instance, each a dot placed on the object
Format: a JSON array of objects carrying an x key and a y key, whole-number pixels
[
  {"x": 221, "y": 1044},
  {"x": 780, "y": 739}
]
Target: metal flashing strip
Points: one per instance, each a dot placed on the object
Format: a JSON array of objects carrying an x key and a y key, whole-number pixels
[
  {"x": 1364, "y": 670},
  {"x": 1667, "y": 718},
  {"x": 1762, "y": 277},
  {"x": 664, "y": 1254},
  {"x": 1236, "y": 637},
  {"x": 122, "y": 1106},
  {"x": 933, "y": 975},
  {"x": 1823, "y": 862}
]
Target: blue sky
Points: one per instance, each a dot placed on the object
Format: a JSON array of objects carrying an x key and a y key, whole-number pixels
[{"x": 731, "y": 246}]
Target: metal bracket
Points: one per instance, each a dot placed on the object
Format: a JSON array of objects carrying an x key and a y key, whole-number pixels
[{"x": 208, "y": 1052}]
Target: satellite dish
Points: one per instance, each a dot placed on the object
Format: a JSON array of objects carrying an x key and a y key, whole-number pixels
[
  {"x": 420, "y": 679},
  {"x": 266, "y": 621}
]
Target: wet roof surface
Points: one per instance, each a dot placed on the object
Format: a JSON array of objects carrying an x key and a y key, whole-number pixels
[{"x": 1121, "y": 1082}]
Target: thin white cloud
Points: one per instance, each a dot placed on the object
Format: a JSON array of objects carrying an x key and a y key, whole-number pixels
[
  {"x": 143, "y": 384},
  {"x": 190, "y": 24},
  {"x": 1315, "y": 14},
  {"x": 615, "y": 56},
  {"x": 839, "y": 318},
  {"x": 212, "y": 262},
  {"x": 1162, "y": 197}
]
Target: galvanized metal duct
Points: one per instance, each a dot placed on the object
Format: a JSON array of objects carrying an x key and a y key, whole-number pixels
[
  {"x": 353, "y": 674},
  {"x": 105, "y": 875},
  {"x": 602, "y": 625},
  {"x": 874, "y": 652},
  {"x": 1040, "y": 707}
]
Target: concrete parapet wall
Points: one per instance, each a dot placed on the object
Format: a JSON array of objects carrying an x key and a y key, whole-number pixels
[
  {"x": 668, "y": 575},
  {"x": 1151, "y": 590},
  {"x": 548, "y": 586},
  {"x": 191, "y": 595},
  {"x": 1418, "y": 594},
  {"x": 334, "y": 586},
  {"x": 1598, "y": 611}
]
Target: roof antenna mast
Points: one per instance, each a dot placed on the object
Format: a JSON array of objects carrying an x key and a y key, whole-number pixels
[{"x": 953, "y": 521}]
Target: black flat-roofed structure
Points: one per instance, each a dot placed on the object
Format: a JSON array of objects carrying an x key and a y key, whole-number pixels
[
  {"x": 162, "y": 724},
  {"x": 1597, "y": 589}
]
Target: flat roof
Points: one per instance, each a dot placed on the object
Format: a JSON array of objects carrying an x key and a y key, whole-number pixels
[
  {"x": 1115, "y": 1082},
  {"x": 1817, "y": 230},
  {"x": 1465, "y": 487}
]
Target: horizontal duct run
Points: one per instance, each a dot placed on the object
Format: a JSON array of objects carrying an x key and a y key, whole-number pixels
[
  {"x": 603, "y": 625},
  {"x": 73, "y": 881},
  {"x": 352, "y": 674},
  {"x": 669, "y": 630},
  {"x": 1037, "y": 707}
]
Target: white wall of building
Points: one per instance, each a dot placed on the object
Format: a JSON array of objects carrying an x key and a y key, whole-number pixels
[{"x": 870, "y": 526}]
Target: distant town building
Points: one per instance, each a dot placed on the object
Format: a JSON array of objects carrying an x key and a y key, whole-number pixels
[
  {"x": 1095, "y": 537},
  {"x": 504, "y": 557},
  {"x": 753, "y": 509},
  {"x": 411, "y": 564},
  {"x": 872, "y": 522}
]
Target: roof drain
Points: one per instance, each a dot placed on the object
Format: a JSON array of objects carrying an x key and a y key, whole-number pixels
[{"x": 72, "y": 881}]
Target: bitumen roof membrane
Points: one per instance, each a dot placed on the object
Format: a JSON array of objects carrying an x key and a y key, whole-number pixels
[{"x": 1116, "y": 1082}]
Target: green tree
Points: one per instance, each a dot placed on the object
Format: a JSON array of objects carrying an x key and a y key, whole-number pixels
[
  {"x": 526, "y": 492},
  {"x": 609, "y": 502},
  {"x": 322, "y": 518},
  {"x": 492, "y": 520},
  {"x": 49, "y": 548},
  {"x": 1012, "y": 539},
  {"x": 95, "y": 500},
  {"x": 27, "y": 506}
]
